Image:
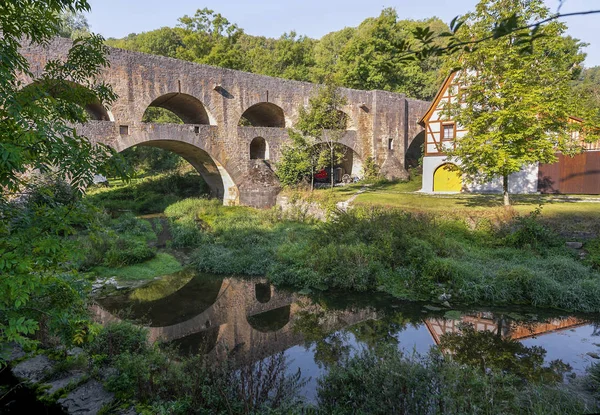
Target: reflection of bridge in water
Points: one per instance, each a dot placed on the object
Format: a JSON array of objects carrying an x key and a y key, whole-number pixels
[
  {"x": 248, "y": 318},
  {"x": 483, "y": 321},
  {"x": 254, "y": 320}
]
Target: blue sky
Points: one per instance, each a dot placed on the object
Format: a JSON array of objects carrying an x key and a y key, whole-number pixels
[{"x": 314, "y": 18}]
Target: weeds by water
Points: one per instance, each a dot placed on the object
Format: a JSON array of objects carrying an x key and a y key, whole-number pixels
[{"x": 412, "y": 256}]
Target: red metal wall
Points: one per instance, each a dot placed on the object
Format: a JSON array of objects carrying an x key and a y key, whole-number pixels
[{"x": 577, "y": 175}]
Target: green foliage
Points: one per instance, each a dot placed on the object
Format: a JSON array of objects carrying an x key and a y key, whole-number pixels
[
  {"x": 151, "y": 194},
  {"x": 407, "y": 255},
  {"x": 370, "y": 169},
  {"x": 517, "y": 106},
  {"x": 366, "y": 57},
  {"x": 387, "y": 382},
  {"x": 117, "y": 339},
  {"x": 127, "y": 251},
  {"x": 529, "y": 232},
  {"x": 160, "y": 381},
  {"x": 159, "y": 265},
  {"x": 315, "y": 139}
]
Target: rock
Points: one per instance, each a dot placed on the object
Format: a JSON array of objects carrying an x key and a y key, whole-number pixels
[
  {"x": 88, "y": 398},
  {"x": 444, "y": 297},
  {"x": 72, "y": 378},
  {"x": 574, "y": 245},
  {"x": 75, "y": 351},
  {"x": 34, "y": 369},
  {"x": 12, "y": 352},
  {"x": 107, "y": 372}
]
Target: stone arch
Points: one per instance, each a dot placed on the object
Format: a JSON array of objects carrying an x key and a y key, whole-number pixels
[
  {"x": 414, "y": 151},
  {"x": 263, "y": 114},
  {"x": 351, "y": 162},
  {"x": 187, "y": 107},
  {"x": 218, "y": 179},
  {"x": 259, "y": 149},
  {"x": 67, "y": 90},
  {"x": 447, "y": 178},
  {"x": 270, "y": 321}
]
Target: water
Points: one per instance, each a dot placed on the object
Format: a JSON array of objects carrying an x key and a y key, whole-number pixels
[{"x": 210, "y": 315}]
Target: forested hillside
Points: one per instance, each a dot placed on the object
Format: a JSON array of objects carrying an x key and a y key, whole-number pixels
[{"x": 363, "y": 57}]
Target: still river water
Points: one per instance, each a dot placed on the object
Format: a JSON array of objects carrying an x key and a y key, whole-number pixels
[{"x": 205, "y": 314}]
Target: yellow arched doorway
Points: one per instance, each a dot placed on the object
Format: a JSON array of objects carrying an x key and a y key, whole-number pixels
[{"x": 447, "y": 179}]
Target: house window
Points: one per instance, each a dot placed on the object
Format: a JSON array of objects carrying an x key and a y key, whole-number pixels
[
  {"x": 390, "y": 143},
  {"x": 448, "y": 132}
]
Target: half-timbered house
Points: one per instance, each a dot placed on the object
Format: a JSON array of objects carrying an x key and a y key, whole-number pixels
[{"x": 579, "y": 174}]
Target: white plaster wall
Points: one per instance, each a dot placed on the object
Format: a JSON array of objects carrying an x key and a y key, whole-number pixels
[{"x": 524, "y": 181}]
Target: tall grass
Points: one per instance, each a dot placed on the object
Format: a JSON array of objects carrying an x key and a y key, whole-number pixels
[{"x": 412, "y": 256}]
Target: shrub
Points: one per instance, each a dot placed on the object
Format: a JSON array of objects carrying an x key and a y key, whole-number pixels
[
  {"x": 117, "y": 339},
  {"x": 128, "y": 252}
]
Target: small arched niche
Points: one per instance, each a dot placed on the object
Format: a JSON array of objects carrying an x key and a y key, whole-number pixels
[
  {"x": 259, "y": 149},
  {"x": 263, "y": 114},
  {"x": 188, "y": 108}
]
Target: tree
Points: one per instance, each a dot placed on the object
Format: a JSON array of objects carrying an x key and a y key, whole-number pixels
[
  {"x": 315, "y": 140},
  {"x": 516, "y": 104},
  {"x": 73, "y": 25},
  {"x": 37, "y": 132}
]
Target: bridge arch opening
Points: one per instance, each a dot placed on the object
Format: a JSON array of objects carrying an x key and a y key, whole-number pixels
[
  {"x": 346, "y": 161},
  {"x": 259, "y": 149},
  {"x": 263, "y": 114},
  {"x": 215, "y": 175},
  {"x": 67, "y": 91},
  {"x": 415, "y": 151},
  {"x": 187, "y": 108}
]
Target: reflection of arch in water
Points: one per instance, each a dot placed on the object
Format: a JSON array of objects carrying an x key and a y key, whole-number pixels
[
  {"x": 269, "y": 321},
  {"x": 262, "y": 292},
  {"x": 219, "y": 181},
  {"x": 201, "y": 342},
  {"x": 71, "y": 92},
  {"x": 186, "y": 107},
  {"x": 259, "y": 149},
  {"x": 263, "y": 114},
  {"x": 192, "y": 299}
]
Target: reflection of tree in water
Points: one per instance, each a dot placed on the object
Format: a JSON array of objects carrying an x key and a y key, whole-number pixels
[
  {"x": 488, "y": 350},
  {"x": 329, "y": 348},
  {"x": 383, "y": 331}
]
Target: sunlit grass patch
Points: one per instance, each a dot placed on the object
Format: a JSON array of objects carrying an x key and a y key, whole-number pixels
[{"x": 162, "y": 264}]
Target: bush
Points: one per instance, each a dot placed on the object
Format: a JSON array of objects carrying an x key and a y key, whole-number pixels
[
  {"x": 117, "y": 339},
  {"x": 128, "y": 252}
]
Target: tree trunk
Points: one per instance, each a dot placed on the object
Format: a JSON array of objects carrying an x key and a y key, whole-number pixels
[
  {"x": 505, "y": 190},
  {"x": 331, "y": 162}
]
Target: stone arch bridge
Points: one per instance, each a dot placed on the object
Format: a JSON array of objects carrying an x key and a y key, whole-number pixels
[{"x": 235, "y": 158}]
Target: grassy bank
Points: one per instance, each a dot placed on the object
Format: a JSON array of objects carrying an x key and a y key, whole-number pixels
[{"x": 508, "y": 260}]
